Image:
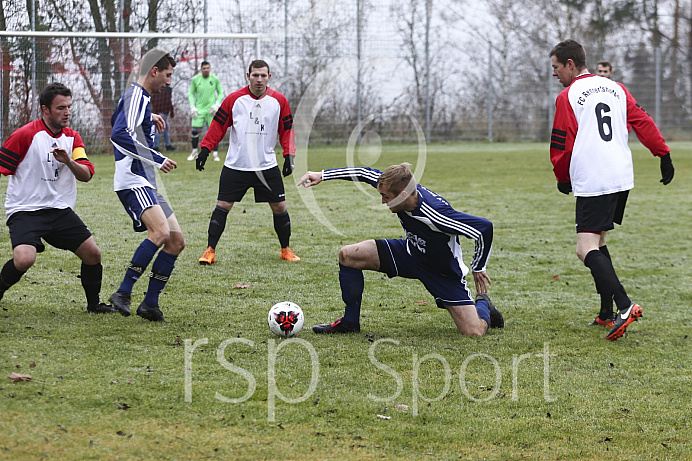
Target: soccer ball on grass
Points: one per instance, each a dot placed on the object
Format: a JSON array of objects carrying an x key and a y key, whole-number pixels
[{"x": 285, "y": 319}]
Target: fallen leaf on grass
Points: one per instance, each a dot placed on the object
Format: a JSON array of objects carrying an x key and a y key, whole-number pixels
[
  {"x": 421, "y": 303},
  {"x": 19, "y": 377},
  {"x": 122, "y": 406},
  {"x": 555, "y": 277},
  {"x": 242, "y": 285},
  {"x": 401, "y": 406},
  {"x": 32, "y": 365}
]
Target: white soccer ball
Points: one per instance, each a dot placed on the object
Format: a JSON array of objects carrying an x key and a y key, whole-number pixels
[{"x": 285, "y": 319}]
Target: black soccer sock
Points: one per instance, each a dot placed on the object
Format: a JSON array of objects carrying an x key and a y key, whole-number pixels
[
  {"x": 9, "y": 276},
  {"x": 606, "y": 301},
  {"x": 91, "y": 276},
  {"x": 217, "y": 224},
  {"x": 606, "y": 279},
  {"x": 604, "y": 250},
  {"x": 282, "y": 226},
  {"x": 195, "y": 141}
]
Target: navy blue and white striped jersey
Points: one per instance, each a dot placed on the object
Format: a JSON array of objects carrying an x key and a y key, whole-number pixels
[
  {"x": 133, "y": 141},
  {"x": 432, "y": 228}
]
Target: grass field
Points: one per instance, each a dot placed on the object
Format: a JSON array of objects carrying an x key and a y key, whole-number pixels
[{"x": 546, "y": 387}]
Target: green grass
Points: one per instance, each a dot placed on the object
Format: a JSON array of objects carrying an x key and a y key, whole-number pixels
[{"x": 108, "y": 387}]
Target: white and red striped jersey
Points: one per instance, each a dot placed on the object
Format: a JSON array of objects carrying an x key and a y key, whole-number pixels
[
  {"x": 255, "y": 124},
  {"x": 38, "y": 181},
  {"x": 589, "y": 139}
]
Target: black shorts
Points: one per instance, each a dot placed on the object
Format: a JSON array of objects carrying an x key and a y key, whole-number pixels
[
  {"x": 268, "y": 185},
  {"x": 61, "y": 228},
  {"x": 599, "y": 213}
]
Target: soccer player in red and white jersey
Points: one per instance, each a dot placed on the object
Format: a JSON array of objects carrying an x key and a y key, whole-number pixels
[
  {"x": 591, "y": 157},
  {"x": 256, "y": 116},
  {"x": 42, "y": 160}
]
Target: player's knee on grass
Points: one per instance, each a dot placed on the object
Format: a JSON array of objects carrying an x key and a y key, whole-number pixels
[{"x": 467, "y": 320}]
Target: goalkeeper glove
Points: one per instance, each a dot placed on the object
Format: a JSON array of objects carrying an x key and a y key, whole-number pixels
[
  {"x": 667, "y": 170},
  {"x": 194, "y": 112},
  {"x": 288, "y": 165},
  {"x": 564, "y": 187},
  {"x": 213, "y": 109},
  {"x": 202, "y": 159}
]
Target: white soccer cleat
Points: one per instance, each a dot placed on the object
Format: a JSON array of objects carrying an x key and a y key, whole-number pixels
[
  {"x": 216, "y": 156},
  {"x": 193, "y": 155}
]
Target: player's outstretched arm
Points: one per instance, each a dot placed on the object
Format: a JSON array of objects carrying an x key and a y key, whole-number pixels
[{"x": 311, "y": 178}]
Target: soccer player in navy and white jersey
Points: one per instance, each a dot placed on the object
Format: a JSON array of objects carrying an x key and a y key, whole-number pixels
[
  {"x": 591, "y": 157},
  {"x": 430, "y": 252},
  {"x": 256, "y": 116},
  {"x": 136, "y": 162},
  {"x": 43, "y": 160}
]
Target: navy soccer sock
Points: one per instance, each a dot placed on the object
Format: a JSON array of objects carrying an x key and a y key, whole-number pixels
[
  {"x": 160, "y": 272},
  {"x": 217, "y": 224},
  {"x": 91, "y": 276},
  {"x": 352, "y": 285},
  {"x": 282, "y": 226},
  {"x": 606, "y": 279},
  {"x": 140, "y": 260},
  {"x": 483, "y": 310}
]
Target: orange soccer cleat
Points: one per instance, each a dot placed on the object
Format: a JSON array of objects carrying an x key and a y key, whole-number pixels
[
  {"x": 288, "y": 254},
  {"x": 208, "y": 257}
]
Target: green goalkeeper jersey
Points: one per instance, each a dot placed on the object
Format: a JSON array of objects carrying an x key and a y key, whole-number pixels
[{"x": 205, "y": 92}]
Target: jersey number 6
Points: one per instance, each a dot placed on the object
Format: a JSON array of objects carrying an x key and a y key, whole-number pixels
[{"x": 604, "y": 121}]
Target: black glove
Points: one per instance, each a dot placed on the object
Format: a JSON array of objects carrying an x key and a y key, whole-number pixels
[
  {"x": 202, "y": 159},
  {"x": 564, "y": 187},
  {"x": 288, "y": 165},
  {"x": 667, "y": 169}
]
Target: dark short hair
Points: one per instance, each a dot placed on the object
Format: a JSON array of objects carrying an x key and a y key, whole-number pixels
[
  {"x": 258, "y": 64},
  {"x": 156, "y": 58},
  {"x": 605, "y": 64},
  {"x": 569, "y": 49},
  {"x": 51, "y": 91},
  {"x": 204, "y": 63}
]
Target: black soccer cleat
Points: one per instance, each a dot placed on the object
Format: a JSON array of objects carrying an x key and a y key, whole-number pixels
[
  {"x": 121, "y": 302},
  {"x": 496, "y": 319},
  {"x": 101, "y": 308},
  {"x": 624, "y": 318},
  {"x": 151, "y": 313},
  {"x": 338, "y": 326}
]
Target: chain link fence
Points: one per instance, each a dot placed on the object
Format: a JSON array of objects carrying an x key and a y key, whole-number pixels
[{"x": 353, "y": 69}]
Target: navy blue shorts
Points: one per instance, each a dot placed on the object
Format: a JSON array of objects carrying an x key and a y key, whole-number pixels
[
  {"x": 267, "y": 184},
  {"x": 446, "y": 290},
  {"x": 137, "y": 200},
  {"x": 61, "y": 228}
]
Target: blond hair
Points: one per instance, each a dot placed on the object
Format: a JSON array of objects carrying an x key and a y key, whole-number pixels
[{"x": 398, "y": 178}]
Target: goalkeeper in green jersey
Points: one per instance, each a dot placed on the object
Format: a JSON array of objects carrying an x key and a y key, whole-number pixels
[{"x": 205, "y": 98}]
